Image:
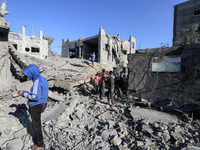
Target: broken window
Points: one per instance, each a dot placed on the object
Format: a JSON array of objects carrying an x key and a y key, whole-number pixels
[
  {"x": 16, "y": 37},
  {"x": 198, "y": 30},
  {"x": 197, "y": 12},
  {"x": 72, "y": 53},
  {"x": 27, "y": 49},
  {"x": 35, "y": 50},
  {"x": 15, "y": 46},
  {"x": 124, "y": 52},
  {"x": 107, "y": 47},
  {"x": 133, "y": 45},
  {"x": 166, "y": 64}
]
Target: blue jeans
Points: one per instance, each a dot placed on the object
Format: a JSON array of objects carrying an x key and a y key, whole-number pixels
[{"x": 96, "y": 85}]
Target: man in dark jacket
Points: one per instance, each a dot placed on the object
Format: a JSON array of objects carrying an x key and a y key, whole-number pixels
[
  {"x": 37, "y": 101},
  {"x": 111, "y": 86}
]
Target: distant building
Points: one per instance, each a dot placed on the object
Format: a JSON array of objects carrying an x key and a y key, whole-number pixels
[
  {"x": 108, "y": 49},
  {"x": 186, "y": 16},
  {"x": 37, "y": 47}
]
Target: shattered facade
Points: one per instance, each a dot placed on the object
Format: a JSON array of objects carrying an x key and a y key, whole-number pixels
[
  {"x": 187, "y": 23},
  {"x": 37, "y": 47},
  {"x": 171, "y": 86},
  {"x": 5, "y": 74},
  {"x": 108, "y": 49}
]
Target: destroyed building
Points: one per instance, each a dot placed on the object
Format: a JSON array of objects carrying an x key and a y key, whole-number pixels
[
  {"x": 77, "y": 119},
  {"x": 108, "y": 49},
  {"x": 5, "y": 76},
  {"x": 186, "y": 23},
  {"x": 29, "y": 45},
  {"x": 170, "y": 76}
]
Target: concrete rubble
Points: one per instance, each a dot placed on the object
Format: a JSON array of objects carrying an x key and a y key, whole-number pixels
[
  {"x": 75, "y": 118},
  {"x": 85, "y": 122}
]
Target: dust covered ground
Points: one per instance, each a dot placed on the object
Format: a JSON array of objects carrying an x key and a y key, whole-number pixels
[{"x": 83, "y": 121}]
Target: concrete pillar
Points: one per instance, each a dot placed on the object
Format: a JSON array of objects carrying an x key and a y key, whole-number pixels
[
  {"x": 41, "y": 35},
  {"x": 101, "y": 38},
  {"x": 23, "y": 30},
  {"x": 132, "y": 41},
  {"x": 99, "y": 44}
]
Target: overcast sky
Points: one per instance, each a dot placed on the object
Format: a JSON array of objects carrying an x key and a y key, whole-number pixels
[{"x": 149, "y": 21}]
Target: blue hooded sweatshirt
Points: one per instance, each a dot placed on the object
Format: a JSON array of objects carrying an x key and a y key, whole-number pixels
[{"x": 39, "y": 90}]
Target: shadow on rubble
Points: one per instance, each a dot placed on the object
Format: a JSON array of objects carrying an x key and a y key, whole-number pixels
[
  {"x": 87, "y": 63},
  {"x": 23, "y": 116},
  {"x": 18, "y": 74}
]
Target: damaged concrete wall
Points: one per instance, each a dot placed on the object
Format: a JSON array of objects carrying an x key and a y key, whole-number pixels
[
  {"x": 37, "y": 47},
  {"x": 5, "y": 74},
  {"x": 179, "y": 89},
  {"x": 108, "y": 49},
  {"x": 186, "y": 15}
]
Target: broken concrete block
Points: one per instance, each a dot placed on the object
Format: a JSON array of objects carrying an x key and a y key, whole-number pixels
[
  {"x": 79, "y": 111},
  {"x": 178, "y": 137},
  {"x": 105, "y": 135},
  {"x": 16, "y": 144},
  {"x": 15, "y": 94},
  {"x": 97, "y": 139},
  {"x": 113, "y": 133},
  {"x": 20, "y": 133},
  {"x": 139, "y": 143},
  {"x": 163, "y": 127},
  {"x": 116, "y": 141},
  {"x": 110, "y": 124},
  {"x": 55, "y": 96},
  {"x": 51, "y": 83},
  {"x": 64, "y": 85},
  {"x": 178, "y": 129},
  {"x": 147, "y": 129},
  {"x": 166, "y": 136}
]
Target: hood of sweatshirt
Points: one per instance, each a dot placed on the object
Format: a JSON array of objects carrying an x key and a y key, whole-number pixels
[{"x": 32, "y": 72}]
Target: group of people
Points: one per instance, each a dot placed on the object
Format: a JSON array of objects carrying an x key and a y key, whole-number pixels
[{"x": 99, "y": 85}]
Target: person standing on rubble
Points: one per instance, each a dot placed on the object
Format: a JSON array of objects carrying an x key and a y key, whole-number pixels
[
  {"x": 111, "y": 86},
  {"x": 103, "y": 82},
  {"x": 37, "y": 101},
  {"x": 93, "y": 58},
  {"x": 96, "y": 81}
]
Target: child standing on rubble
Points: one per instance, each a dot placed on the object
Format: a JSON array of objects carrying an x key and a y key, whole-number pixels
[
  {"x": 111, "y": 86},
  {"x": 37, "y": 101},
  {"x": 96, "y": 81},
  {"x": 103, "y": 82},
  {"x": 93, "y": 58}
]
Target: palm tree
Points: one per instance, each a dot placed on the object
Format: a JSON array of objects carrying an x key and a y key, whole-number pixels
[{"x": 49, "y": 39}]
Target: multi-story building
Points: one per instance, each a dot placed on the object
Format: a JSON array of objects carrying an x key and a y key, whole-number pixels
[
  {"x": 108, "y": 49},
  {"x": 37, "y": 47}
]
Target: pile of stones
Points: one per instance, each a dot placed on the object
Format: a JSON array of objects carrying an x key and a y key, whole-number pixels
[{"x": 86, "y": 122}]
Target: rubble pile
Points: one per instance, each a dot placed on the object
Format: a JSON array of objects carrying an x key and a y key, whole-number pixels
[
  {"x": 75, "y": 118},
  {"x": 85, "y": 122}
]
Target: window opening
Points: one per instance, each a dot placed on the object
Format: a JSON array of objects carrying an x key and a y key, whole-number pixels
[
  {"x": 197, "y": 12},
  {"x": 166, "y": 64},
  {"x": 27, "y": 49},
  {"x": 35, "y": 50},
  {"x": 15, "y": 46},
  {"x": 132, "y": 45}
]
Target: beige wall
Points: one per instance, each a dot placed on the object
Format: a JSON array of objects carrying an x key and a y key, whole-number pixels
[{"x": 28, "y": 42}]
